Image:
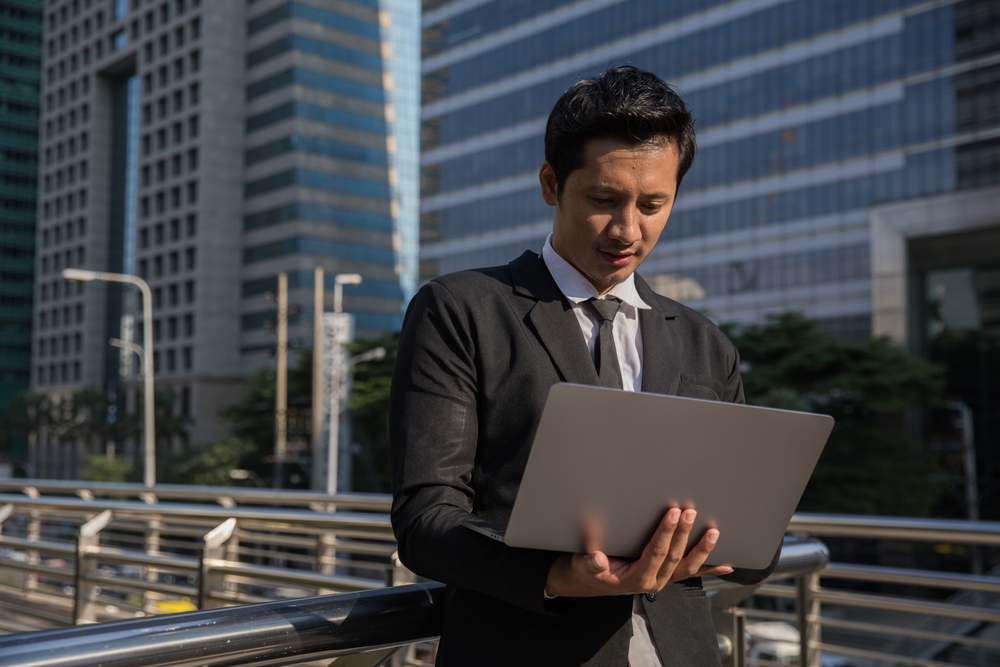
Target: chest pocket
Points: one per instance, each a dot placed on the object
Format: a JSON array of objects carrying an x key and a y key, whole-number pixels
[{"x": 700, "y": 386}]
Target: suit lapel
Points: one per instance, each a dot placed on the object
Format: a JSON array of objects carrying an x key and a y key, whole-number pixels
[
  {"x": 660, "y": 371},
  {"x": 553, "y": 320}
]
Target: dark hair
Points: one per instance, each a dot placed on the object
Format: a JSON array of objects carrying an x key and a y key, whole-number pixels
[{"x": 624, "y": 103}]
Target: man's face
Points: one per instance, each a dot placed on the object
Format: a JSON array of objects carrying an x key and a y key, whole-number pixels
[{"x": 613, "y": 208}]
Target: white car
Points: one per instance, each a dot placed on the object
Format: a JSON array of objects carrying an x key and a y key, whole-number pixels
[{"x": 778, "y": 642}]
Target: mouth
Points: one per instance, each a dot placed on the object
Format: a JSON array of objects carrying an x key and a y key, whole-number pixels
[{"x": 616, "y": 259}]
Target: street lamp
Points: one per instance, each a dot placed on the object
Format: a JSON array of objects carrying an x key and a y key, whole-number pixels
[
  {"x": 336, "y": 381},
  {"x": 149, "y": 439},
  {"x": 339, "y": 281}
]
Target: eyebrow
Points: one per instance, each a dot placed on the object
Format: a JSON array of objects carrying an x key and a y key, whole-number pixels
[{"x": 613, "y": 191}]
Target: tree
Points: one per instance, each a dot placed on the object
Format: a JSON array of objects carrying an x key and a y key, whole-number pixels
[
  {"x": 369, "y": 412},
  {"x": 870, "y": 465},
  {"x": 252, "y": 418},
  {"x": 95, "y": 417},
  {"x": 211, "y": 465},
  {"x": 106, "y": 468}
]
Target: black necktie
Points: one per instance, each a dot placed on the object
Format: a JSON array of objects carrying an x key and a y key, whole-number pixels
[{"x": 605, "y": 352}]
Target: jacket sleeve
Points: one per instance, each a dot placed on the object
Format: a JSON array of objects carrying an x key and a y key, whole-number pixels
[{"x": 433, "y": 434}]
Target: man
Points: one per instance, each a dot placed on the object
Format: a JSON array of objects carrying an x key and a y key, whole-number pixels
[{"x": 478, "y": 354}]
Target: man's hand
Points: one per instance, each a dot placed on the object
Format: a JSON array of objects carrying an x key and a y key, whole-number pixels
[{"x": 662, "y": 562}]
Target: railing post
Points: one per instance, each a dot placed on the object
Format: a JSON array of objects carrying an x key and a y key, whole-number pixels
[
  {"x": 398, "y": 575},
  {"x": 5, "y": 513},
  {"x": 151, "y": 545},
  {"x": 808, "y": 611},
  {"x": 86, "y": 543},
  {"x": 212, "y": 550}
]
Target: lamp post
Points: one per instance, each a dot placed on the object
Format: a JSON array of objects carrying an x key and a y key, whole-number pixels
[
  {"x": 149, "y": 434},
  {"x": 317, "y": 384},
  {"x": 337, "y": 365}
]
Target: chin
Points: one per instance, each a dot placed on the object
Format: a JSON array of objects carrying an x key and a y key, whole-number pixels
[{"x": 608, "y": 280}]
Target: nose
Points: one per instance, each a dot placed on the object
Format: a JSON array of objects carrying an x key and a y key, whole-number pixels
[{"x": 625, "y": 227}]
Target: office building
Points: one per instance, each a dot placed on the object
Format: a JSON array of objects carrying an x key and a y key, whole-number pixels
[
  {"x": 848, "y": 164},
  {"x": 206, "y": 147},
  {"x": 20, "y": 55}
]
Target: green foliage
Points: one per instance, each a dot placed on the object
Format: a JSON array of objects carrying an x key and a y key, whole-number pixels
[
  {"x": 252, "y": 418},
  {"x": 870, "y": 465},
  {"x": 104, "y": 468},
  {"x": 369, "y": 410},
  {"x": 211, "y": 465}
]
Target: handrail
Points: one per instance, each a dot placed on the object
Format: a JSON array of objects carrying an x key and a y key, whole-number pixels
[
  {"x": 376, "y": 502},
  {"x": 376, "y": 523},
  {"x": 274, "y": 633},
  {"x": 955, "y": 531}
]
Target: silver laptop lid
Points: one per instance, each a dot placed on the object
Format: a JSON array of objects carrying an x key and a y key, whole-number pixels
[{"x": 606, "y": 464}]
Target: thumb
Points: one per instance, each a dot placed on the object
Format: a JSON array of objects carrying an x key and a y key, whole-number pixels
[{"x": 596, "y": 562}]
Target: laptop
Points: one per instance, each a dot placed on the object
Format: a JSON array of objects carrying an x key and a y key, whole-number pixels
[{"x": 606, "y": 465}]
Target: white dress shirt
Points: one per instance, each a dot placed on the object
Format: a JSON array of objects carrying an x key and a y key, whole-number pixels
[{"x": 628, "y": 343}]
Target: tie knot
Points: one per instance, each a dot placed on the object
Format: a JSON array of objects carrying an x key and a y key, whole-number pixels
[{"x": 604, "y": 309}]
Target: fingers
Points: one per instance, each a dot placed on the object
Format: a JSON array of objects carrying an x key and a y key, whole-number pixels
[
  {"x": 693, "y": 565},
  {"x": 678, "y": 545},
  {"x": 713, "y": 570}
]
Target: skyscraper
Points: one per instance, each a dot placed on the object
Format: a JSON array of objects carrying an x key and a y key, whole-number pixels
[
  {"x": 810, "y": 115},
  {"x": 206, "y": 147},
  {"x": 20, "y": 55},
  {"x": 848, "y": 164}
]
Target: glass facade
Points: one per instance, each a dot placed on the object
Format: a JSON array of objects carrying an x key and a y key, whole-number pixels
[
  {"x": 323, "y": 185},
  {"x": 848, "y": 168},
  {"x": 810, "y": 114},
  {"x": 20, "y": 73}
]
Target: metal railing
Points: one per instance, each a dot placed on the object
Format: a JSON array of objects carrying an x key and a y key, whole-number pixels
[
  {"x": 119, "y": 559},
  {"x": 374, "y": 624},
  {"x": 70, "y": 560},
  {"x": 912, "y": 626}
]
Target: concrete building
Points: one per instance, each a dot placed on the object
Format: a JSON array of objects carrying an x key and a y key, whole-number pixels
[
  {"x": 20, "y": 56},
  {"x": 848, "y": 165},
  {"x": 206, "y": 147}
]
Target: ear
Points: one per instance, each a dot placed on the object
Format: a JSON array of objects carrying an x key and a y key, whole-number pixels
[{"x": 550, "y": 188}]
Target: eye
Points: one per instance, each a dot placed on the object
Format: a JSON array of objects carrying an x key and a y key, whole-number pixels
[{"x": 602, "y": 200}]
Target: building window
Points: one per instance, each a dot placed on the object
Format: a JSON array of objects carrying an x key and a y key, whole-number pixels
[
  {"x": 188, "y": 326},
  {"x": 192, "y": 225},
  {"x": 189, "y": 258},
  {"x": 187, "y": 359},
  {"x": 174, "y": 262},
  {"x": 172, "y": 295},
  {"x": 171, "y": 361},
  {"x": 172, "y": 328},
  {"x": 188, "y": 296}
]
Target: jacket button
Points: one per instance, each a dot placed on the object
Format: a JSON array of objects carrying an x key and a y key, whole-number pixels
[{"x": 651, "y": 597}]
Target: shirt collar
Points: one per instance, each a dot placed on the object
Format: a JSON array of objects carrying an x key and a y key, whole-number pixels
[{"x": 577, "y": 288}]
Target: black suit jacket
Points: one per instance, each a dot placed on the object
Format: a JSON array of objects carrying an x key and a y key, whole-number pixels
[{"x": 478, "y": 353}]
